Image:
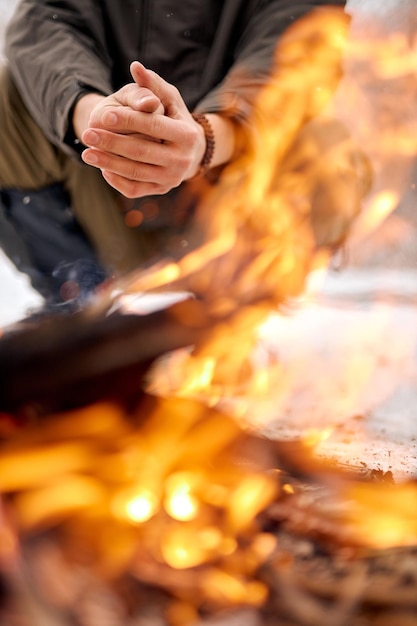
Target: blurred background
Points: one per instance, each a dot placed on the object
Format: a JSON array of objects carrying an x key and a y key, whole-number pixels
[{"x": 6, "y": 10}]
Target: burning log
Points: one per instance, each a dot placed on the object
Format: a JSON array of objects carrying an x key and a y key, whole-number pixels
[
  {"x": 177, "y": 506},
  {"x": 154, "y": 495},
  {"x": 62, "y": 362}
]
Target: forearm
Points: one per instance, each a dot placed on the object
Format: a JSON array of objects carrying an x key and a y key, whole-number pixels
[
  {"x": 236, "y": 93},
  {"x": 52, "y": 60}
]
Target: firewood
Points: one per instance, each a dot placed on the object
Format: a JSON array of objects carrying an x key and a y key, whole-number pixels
[{"x": 63, "y": 362}]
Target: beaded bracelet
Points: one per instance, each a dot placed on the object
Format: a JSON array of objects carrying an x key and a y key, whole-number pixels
[{"x": 201, "y": 119}]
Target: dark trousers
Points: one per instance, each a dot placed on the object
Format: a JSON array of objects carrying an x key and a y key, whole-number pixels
[{"x": 41, "y": 236}]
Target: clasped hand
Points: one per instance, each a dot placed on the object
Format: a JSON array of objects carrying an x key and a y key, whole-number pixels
[{"x": 143, "y": 138}]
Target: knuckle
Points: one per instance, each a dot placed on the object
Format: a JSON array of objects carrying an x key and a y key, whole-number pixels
[
  {"x": 184, "y": 160},
  {"x": 162, "y": 189},
  {"x": 174, "y": 91},
  {"x": 172, "y": 181},
  {"x": 135, "y": 172},
  {"x": 143, "y": 92},
  {"x": 177, "y": 181},
  {"x": 190, "y": 135},
  {"x": 106, "y": 142},
  {"x": 155, "y": 125},
  {"x": 95, "y": 117},
  {"x": 130, "y": 188},
  {"x": 141, "y": 151},
  {"x": 132, "y": 88},
  {"x": 166, "y": 188},
  {"x": 183, "y": 163},
  {"x": 125, "y": 93},
  {"x": 130, "y": 120},
  {"x": 105, "y": 162},
  {"x": 160, "y": 109}
]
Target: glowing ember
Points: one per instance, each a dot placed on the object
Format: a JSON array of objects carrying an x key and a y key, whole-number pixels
[
  {"x": 185, "y": 477},
  {"x": 382, "y": 516},
  {"x": 136, "y": 506},
  {"x": 180, "y": 503}
]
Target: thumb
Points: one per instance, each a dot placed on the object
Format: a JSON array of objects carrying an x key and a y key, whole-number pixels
[
  {"x": 167, "y": 93},
  {"x": 139, "y": 99}
]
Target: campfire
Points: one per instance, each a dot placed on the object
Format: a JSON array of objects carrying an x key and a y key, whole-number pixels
[{"x": 134, "y": 489}]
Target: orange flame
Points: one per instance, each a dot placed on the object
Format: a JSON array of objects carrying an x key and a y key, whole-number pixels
[
  {"x": 382, "y": 515},
  {"x": 275, "y": 211}
]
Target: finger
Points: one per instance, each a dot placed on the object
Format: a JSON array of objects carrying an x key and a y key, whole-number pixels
[
  {"x": 168, "y": 94},
  {"x": 132, "y": 188},
  {"x": 125, "y": 120},
  {"x": 131, "y": 146},
  {"x": 132, "y": 170},
  {"x": 139, "y": 99}
]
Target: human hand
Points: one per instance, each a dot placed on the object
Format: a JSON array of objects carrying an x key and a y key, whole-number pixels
[
  {"x": 93, "y": 105},
  {"x": 143, "y": 138}
]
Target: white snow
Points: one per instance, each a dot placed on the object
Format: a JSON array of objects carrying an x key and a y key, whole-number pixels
[{"x": 17, "y": 298}]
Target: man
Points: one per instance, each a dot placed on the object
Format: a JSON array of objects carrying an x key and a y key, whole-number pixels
[{"x": 93, "y": 164}]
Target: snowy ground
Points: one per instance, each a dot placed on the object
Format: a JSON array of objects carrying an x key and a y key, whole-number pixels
[
  {"x": 17, "y": 298},
  {"x": 362, "y": 327},
  {"x": 348, "y": 362}
]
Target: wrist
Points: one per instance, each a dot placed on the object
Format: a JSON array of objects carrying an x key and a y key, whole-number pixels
[
  {"x": 209, "y": 142},
  {"x": 82, "y": 111},
  {"x": 225, "y": 133}
]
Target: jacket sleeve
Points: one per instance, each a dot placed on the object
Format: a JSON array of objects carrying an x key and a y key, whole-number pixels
[
  {"x": 56, "y": 51},
  {"x": 254, "y": 55}
]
